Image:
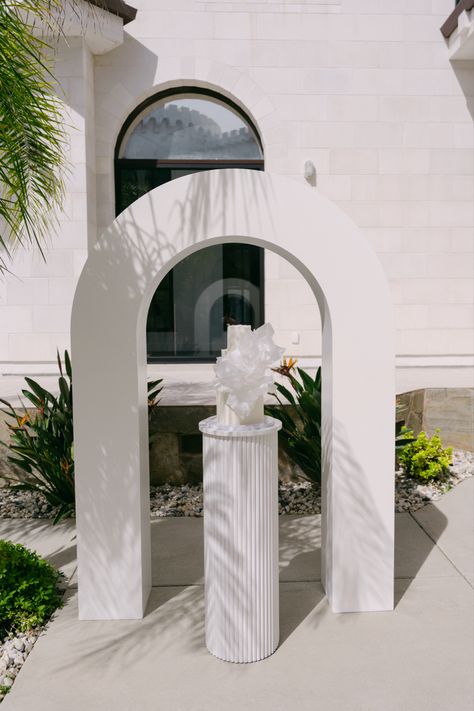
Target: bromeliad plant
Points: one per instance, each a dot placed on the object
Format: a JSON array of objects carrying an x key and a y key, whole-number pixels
[
  {"x": 42, "y": 444},
  {"x": 154, "y": 389},
  {"x": 300, "y": 435},
  {"x": 403, "y": 435}
]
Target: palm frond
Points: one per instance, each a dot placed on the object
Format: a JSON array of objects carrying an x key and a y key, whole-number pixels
[{"x": 32, "y": 138}]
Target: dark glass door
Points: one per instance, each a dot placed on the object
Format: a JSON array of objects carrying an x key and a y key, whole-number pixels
[
  {"x": 200, "y": 297},
  {"x": 204, "y": 293}
]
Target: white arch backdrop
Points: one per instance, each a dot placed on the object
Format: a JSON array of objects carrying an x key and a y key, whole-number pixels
[{"x": 110, "y": 404}]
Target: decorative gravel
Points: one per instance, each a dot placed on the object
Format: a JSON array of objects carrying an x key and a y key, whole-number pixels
[
  {"x": 23, "y": 504},
  {"x": 411, "y": 495},
  {"x": 294, "y": 497},
  {"x": 13, "y": 652}
]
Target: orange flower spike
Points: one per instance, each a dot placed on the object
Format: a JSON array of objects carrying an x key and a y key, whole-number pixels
[{"x": 23, "y": 420}]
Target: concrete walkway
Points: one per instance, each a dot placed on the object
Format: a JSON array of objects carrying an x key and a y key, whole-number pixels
[{"x": 417, "y": 658}]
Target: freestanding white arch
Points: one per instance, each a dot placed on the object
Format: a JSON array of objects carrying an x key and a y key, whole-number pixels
[{"x": 109, "y": 359}]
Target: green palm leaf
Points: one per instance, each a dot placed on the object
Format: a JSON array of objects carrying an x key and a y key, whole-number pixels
[{"x": 32, "y": 139}]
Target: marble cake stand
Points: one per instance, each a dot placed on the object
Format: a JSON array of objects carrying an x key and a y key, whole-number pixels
[{"x": 241, "y": 538}]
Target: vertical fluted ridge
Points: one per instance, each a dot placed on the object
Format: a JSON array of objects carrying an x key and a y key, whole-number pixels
[{"x": 241, "y": 545}]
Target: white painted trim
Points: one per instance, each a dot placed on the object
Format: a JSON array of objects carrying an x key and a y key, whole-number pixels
[{"x": 190, "y": 371}]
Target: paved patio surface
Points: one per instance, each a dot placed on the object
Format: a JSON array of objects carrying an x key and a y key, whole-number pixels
[{"x": 417, "y": 658}]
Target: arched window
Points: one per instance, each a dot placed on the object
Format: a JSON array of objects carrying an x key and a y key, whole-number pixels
[{"x": 171, "y": 135}]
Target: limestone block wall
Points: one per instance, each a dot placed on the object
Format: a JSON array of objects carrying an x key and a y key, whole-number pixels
[
  {"x": 362, "y": 88},
  {"x": 449, "y": 409},
  {"x": 36, "y": 298}
]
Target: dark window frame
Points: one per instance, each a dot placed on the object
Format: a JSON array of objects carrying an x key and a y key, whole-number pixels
[{"x": 147, "y": 163}]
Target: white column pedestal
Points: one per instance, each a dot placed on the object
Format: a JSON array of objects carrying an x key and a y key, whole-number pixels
[{"x": 241, "y": 539}]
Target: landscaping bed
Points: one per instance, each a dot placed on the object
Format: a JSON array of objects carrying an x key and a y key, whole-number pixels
[
  {"x": 13, "y": 653},
  {"x": 295, "y": 497},
  {"x": 31, "y": 590}
]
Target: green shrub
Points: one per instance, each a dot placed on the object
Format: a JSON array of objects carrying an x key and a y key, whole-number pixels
[
  {"x": 425, "y": 458},
  {"x": 300, "y": 435},
  {"x": 29, "y": 589},
  {"x": 42, "y": 445}
]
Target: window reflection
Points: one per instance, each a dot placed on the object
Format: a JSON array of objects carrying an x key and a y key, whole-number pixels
[
  {"x": 167, "y": 138},
  {"x": 190, "y": 128},
  {"x": 203, "y": 295}
]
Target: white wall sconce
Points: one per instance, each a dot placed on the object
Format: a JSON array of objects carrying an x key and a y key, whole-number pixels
[{"x": 310, "y": 172}]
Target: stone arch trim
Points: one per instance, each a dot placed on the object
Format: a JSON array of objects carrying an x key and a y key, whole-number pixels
[
  {"x": 109, "y": 356},
  {"x": 173, "y": 72}
]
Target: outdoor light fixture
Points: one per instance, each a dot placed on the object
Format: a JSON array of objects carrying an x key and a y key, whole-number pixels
[{"x": 310, "y": 172}]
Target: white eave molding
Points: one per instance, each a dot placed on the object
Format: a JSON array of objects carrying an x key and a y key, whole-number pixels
[{"x": 461, "y": 41}]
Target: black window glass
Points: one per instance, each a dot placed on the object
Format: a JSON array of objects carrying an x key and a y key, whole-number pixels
[{"x": 199, "y": 298}]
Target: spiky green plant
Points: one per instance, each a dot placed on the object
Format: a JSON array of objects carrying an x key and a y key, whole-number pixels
[
  {"x": 42, "y": 445},
  {"x": 300, "y": 435},
  {"x": 403, "y": 437}
]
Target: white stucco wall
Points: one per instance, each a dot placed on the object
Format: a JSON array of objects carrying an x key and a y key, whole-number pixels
[{"x": 364, "y": 89}]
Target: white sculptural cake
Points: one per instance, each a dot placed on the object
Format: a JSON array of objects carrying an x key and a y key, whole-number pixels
[{"x": 243, "y": 377}]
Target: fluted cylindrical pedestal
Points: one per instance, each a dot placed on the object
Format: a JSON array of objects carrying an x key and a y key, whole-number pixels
[{"x": 241, "y": 539}]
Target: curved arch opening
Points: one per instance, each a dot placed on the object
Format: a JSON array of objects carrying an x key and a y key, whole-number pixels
[
  {"x": 212, "y": 290},
  {"x": 110, "y": 309}
]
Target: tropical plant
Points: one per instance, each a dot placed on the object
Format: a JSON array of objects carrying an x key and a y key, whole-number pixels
[
  {"x": 300, "y": 435},
  {"x": 154, "y": 388},
  {"x": 425, "y": 458},
  {"x": 403, "y": 436},
  {"x": 30, "y": 589},
  {"x": 32, "y": 142},
  {"x": 42, "y": 444}
]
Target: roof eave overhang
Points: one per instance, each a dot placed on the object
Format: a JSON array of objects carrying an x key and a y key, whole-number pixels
[
  {"x": 117, "y": 7},
  {"x": 458, "y": 31}
]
